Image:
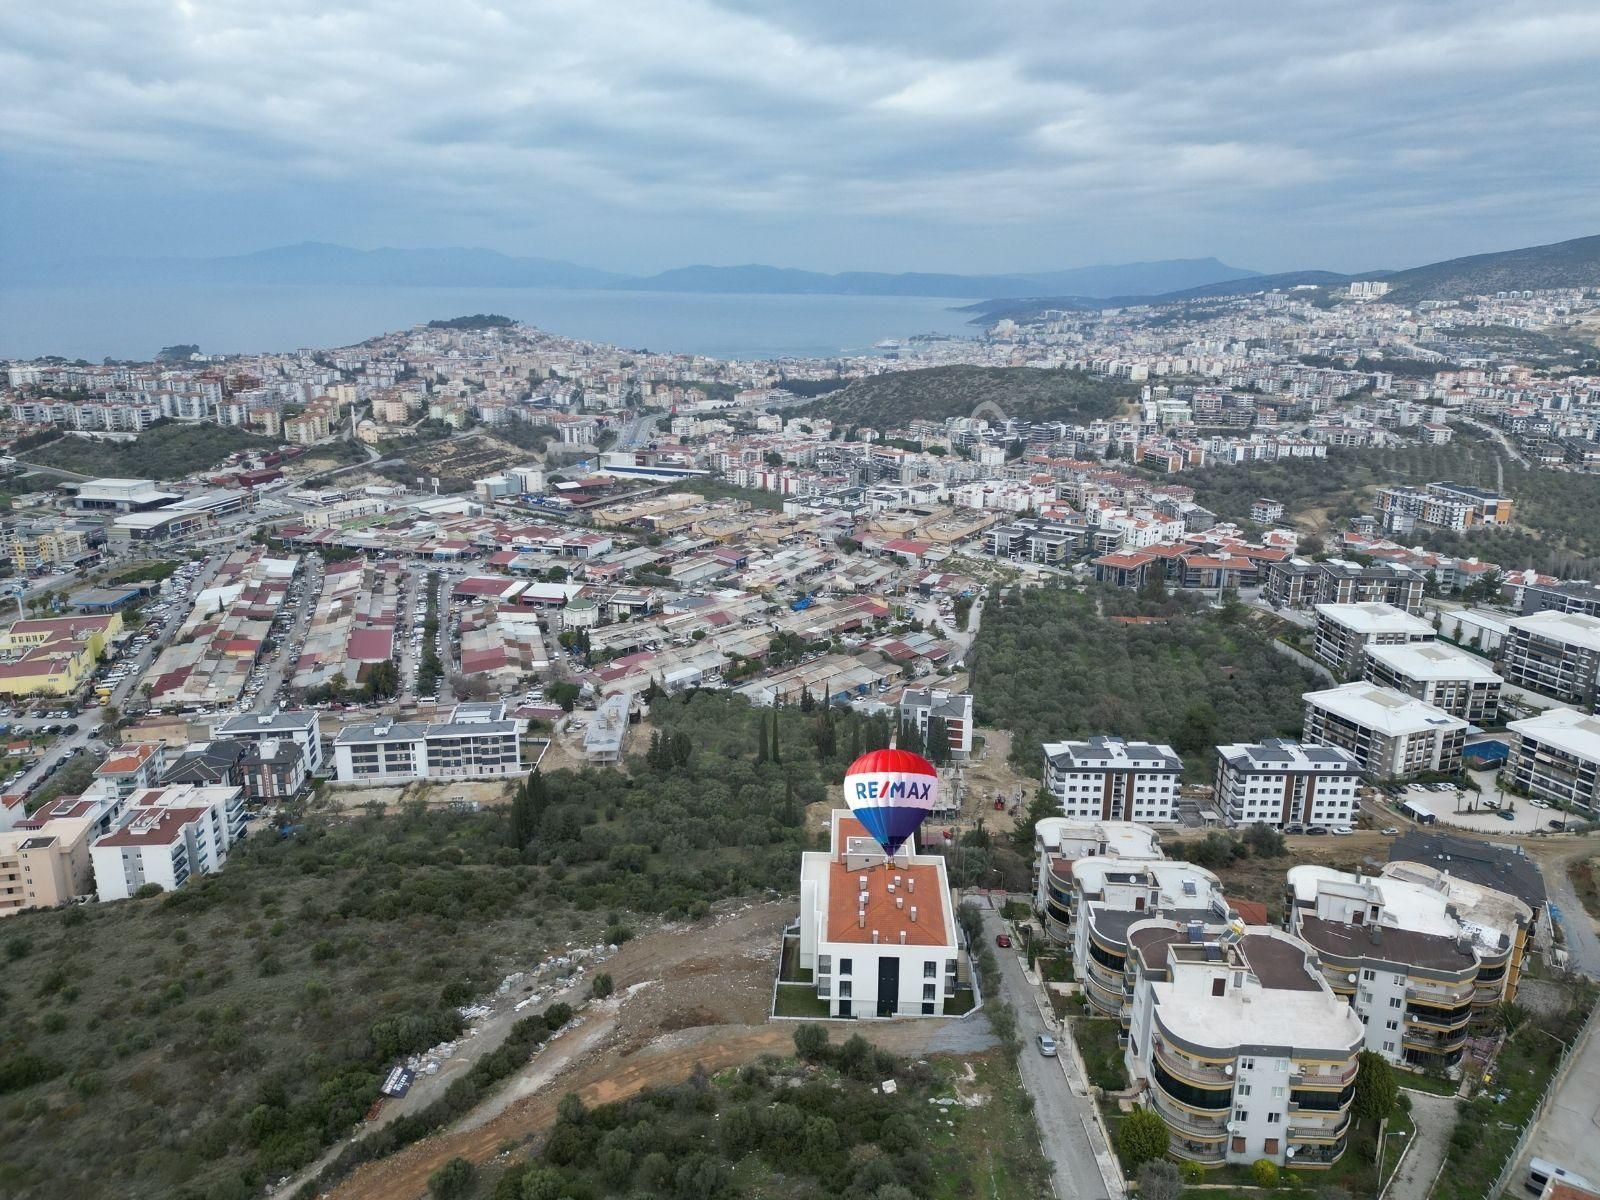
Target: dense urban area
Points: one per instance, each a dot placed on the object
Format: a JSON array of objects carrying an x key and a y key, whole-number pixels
[{"x": 422, "y": 759}]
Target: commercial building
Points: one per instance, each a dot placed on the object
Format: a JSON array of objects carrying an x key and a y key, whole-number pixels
[
  {"x": 168, "y": 836},
  {"x": 1390, "y": 734},
  {"x": 1059, "y": 843},
  {"x": 1437, "y": 673},
  {"x": 878, "y": 934},
  {"x": 478, "y": 742},
  {"x": 1243, "y": 1049},
  {"x": 121, "y": 495},
  {"x": 1553, "y": 653},
  {"x": 919, "y": 706},
  {"x": 1344, "y": 631},
  {"x": 297, "y": 726},
  {"x": 1423, "y": 958},
  {"x": 1278, "y": 782},
  {"x": 53, "y": 655},
  {"x": 1556, "y": 756},
  {"x": 1109, "y": 779}
]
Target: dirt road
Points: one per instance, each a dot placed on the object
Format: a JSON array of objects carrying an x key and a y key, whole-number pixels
[{"x": 691, "y": 995}]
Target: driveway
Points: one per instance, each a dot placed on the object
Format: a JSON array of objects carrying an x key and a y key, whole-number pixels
[
  {"x": 1583, "y": 946},
  {"x": 1066, "y": 1118}
]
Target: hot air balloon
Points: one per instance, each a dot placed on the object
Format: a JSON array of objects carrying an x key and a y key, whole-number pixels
[{"x": 891, "y": 792}]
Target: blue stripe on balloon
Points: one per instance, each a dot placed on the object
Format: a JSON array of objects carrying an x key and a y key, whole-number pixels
[{"x": 890, "y": 827}]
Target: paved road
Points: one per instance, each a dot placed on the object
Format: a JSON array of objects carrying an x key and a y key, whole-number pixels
[
  {"x": 1061, "y": 1112},
  {"x": 1435, "y": 1117},
  {"x": 1583, "y": 945},
  {"x": 1568, "y": 1134}
]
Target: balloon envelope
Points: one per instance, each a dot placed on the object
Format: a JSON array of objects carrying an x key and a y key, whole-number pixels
[{"x": 891, "y": 793}]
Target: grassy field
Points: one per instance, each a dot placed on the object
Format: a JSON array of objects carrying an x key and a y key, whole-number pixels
[{"x": 1102, "y": 1057}]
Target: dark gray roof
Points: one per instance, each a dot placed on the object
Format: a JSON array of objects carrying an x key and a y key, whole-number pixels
[{"x": 1474, "y": 861}]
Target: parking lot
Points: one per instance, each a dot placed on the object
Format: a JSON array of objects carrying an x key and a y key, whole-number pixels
[{"x": 1488, "y": 811}]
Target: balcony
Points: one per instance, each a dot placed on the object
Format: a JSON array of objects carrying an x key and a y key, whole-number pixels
[
  {"x": 1201, "y": 1152},
  {"x": 1440, "y": 995},
  {"x": 1337, "y": 1078},
  {"x": 1192, "y": 1072},
  {"x": 1443, "y": 1020},
  {"x": 1321, "y": 1133},
  {"x": 1315, "y": 1154},
  {"x": 1194, "y": 1125}
]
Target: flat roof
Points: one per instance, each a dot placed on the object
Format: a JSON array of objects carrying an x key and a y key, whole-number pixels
[
  {"x": 1281, "y": 754},
  {"x": 1567, "y": 729},
  {"x": 1375, "y": 618},
  {"x": 1434, "y": 660},
  {"x": 1573, "y": 629},
  {"x": 1389, "y": 712},
  {"x": 1107, "y": 752}
]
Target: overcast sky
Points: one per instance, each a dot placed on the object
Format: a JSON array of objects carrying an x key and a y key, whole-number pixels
[{"x": 875, "y": 134}]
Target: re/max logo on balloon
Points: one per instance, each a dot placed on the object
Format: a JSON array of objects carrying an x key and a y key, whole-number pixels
[{"x": 892, "y": 789}]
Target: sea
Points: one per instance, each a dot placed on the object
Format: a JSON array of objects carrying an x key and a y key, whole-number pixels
[{"x": 129, "y": 322}]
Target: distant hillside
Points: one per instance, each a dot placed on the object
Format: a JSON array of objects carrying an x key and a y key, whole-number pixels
[
  {"x": 1083, "y": 281},
  {"x": 1026, "y": 393},
  {"x": 1001, "y": 308},
  {"x": 1575, "y": 263}
]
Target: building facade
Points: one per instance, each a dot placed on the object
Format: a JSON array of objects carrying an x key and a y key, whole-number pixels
[
  {"x": 1345, "y": 631},
  {"x": 1282, "y": 783},
  {"x": 1391, "y": 735},
  {"x": 1109, "y": 779},
  {"x": 1553, "y": 653},
  {"x": 1556, "y": 756},
  {"x": 1437, "y": 673}
]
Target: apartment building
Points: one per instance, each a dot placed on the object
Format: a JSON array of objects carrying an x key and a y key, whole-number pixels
[
  {"x": 1112, "y": 896},
  {"x": 1059, "y": 843},
  {"x": 168, "y": 836},
  {"x": 1344, "y": 631},
  {"x": 1555, "y": 654},
  {"x": 1278, "y": 782},
  {"x": 1390, "y": 734},
  {"x": 919, "y": 706},
  {"x": 1556, "y": 756},
  {"x": 1561, "y": 597},
  {"x": 477, "y": 742},
  {"x": 878, "y": 934},
  {"x": 1109, "y": 779},
  {"x": 1444, "y": 505},
  {"x": 297, "y": 726},
  {"x": 1296, "y": 582},
  {"x": 45, "y": 865},
  {"x": 1422, "y": 958},
  {"x": 1241, "y": 1046},
  {"x": 132, "y": 767},
  {"x": 1437, "y": 673}
]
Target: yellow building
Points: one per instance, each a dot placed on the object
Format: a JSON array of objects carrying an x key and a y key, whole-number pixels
[
  {"x": 31, "y": 549},
  {"x": 53, "y": 655},
  {"x": 47, "y": 866}
]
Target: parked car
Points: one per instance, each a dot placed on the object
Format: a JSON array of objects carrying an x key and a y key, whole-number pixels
[
  {"x": 1540, "y": 803},
  {"x": 1003, "y": 940},
  {"x": 1316, "y": 831},
  {"x": 1506, "y": 814},
  {"x": 1342, "y": 831},
  {"x": 1047, "y": 1045},
  {"x": 1390, "y": 831}
]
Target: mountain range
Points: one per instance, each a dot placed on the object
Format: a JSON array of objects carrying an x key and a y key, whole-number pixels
[
  {"x": 1560, "y": 264},
  {"x": 319, "y": 263}
]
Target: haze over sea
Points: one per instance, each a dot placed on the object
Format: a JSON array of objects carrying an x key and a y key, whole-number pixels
[{"x": 131, "y": 322}]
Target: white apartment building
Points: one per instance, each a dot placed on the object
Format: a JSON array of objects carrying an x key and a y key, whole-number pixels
[
  {"x": 168, "y": 836},
  {"x": 1278, "y": 782},
  {"x": 1390, "y": 734},
  {"x": 1422, "y": 958},
  {"x": 478, "y": 742},
  {"x": 1108, "y": 779},
  {"x": 1059, "y": 843},
  {"x": 954, "y": 708},
  {"x": 1556, "y": 756},
  {"x": 1555, "y": 654},
  {"x": 1437, "y": 673},
  {"x": 1241, "y": 1046},
  {"x": 878, "y": 934},
  {"x": 295, "y": 725},
  {"x": 1345, "y": 631}
]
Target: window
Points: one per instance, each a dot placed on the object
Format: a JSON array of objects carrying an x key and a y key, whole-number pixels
[
  {"x": 844, "y": 989},
  {"x": 1369, "y": 974},
  {"x": 1395, "y": 1001},
  {"x": 1392, "y": 1025},
  {"x": 1277, "y": 1093},
  {"x": 1240, "y": 1114},
  {"x": 845, "y": 965},
  {"x": 1388, "y": 1047},
  {"x": 1274, "y": 1118},
  {"x": 1247, "y": 1064},
  {"x": 929, "y": 992},
  {"x": 1242, "y": 1090},
  {"x": 1270, "y": 1146},
  {"x": 930, "y": 969}
]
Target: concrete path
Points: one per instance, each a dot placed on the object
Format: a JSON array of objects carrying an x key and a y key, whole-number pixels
[
  {"x": 1568, "y": 1134},
  {"x": 1066, "y": 1115},
  {"x": 1435, "y": 1117}
]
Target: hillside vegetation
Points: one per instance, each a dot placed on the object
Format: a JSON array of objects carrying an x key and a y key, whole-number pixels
[
  {"x": 1553, "y": 531},
  {"x": 167, "y": 450},
  {"x": 201, "y": 1044},
  {"x": 1056, "y": 663},
  {"x": 1574, "y": 263},
  {"x": 935, "y": 393}
]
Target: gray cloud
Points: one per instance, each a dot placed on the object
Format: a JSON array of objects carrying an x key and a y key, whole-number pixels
[{"x": 928, "y": 136}]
